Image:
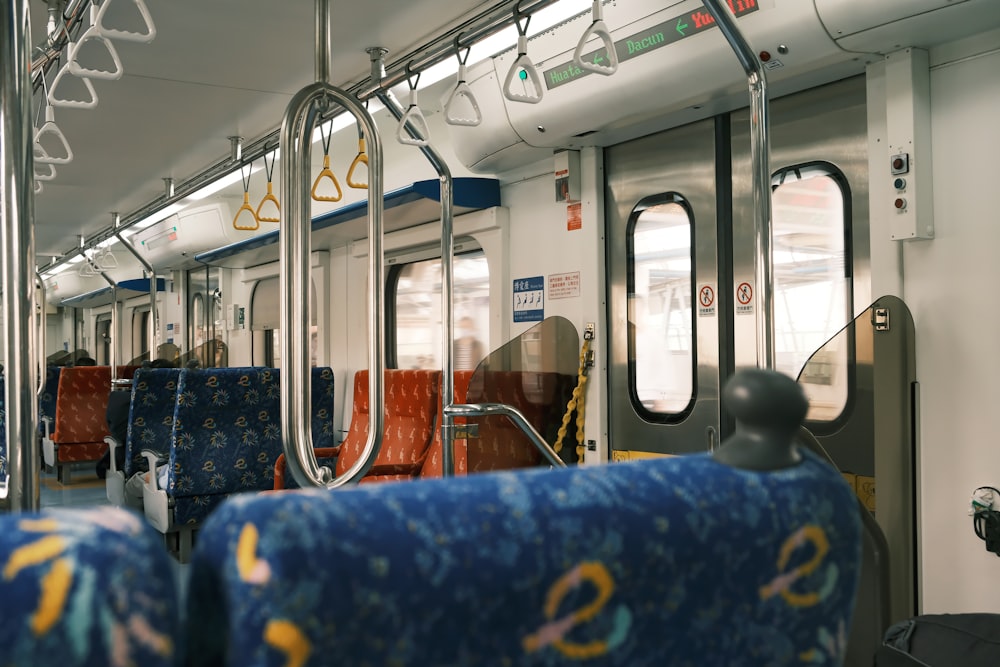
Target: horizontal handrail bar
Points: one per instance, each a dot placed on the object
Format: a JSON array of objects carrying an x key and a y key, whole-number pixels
[{"x": 516, "y": 416}]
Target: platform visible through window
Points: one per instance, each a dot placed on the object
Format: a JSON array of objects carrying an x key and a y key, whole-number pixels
[{"x": 660, "y": 315}]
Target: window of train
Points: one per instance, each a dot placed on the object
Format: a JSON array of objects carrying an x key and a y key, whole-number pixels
[
  {"x": 265, "y": 326},
  {"x": 661, "y": 319},
  {"x": 414, "y": 290},
  {"x": 205, "y": 335},
  {"x": 812, "y": 282},
  {"x": 102, "y": 339},
  {"x": 141, "y": 325}
]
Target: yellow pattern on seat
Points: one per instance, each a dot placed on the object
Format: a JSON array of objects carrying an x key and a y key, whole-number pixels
[
  {"x": 44, "y": 549},
  {"x": 782, "y": 583},
  {"x": 286, "y": 637},
  {"x": 252, "y": 570},
  {"x": 55, "y": 589},
  {"x": 554, "y": 632}
]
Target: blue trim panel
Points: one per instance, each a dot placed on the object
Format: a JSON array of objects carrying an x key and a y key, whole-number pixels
[
  {"x": 102, "y": 296},
  {"x": 470, "y": 193}
]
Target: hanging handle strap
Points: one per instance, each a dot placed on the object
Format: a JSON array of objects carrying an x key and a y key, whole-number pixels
[
  {"x": 68, "y": 103},
  {"x": 326, "y": 173},
  {"x": 49, "y": 172},
  {"x": 50, "y": 129},
  {"x": 359, "y": 159},
  {"x": 523, "y": 69},
  {"x": 418, "y": 132},
  {"x": 269, "y": 197},
  {"x": 94, "y": 34},
  {"x": 603, "y": 63},
  {"x": 246, "y": 208},
  {"x": 462, "y": 96},
  {"x": 148, "y": 36}
]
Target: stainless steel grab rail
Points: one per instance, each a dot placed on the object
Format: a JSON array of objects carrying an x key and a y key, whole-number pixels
[
  {"x": 760, "y": 153},
  {"x": 305, "y": 109},
  {"x": 17, "y": 245},
  {"x": 516, "y": 416}
]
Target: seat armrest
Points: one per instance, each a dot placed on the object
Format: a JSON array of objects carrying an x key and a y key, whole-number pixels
[
  {"x": 280, "y": 465},
  {"x": 153, "y": 457},
  {"x": 113, "y": 444},
  {"x": 396, "y": 468},
  {"x": 47, "y": 421}
]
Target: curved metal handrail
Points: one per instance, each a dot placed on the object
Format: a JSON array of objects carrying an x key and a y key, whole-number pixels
[
  {"x": 294, "y": 243},
  {"x": 516, "y": 416}
]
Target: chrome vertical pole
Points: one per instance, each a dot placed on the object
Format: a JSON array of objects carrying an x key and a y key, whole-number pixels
[
  {"x": 760, "y": 159},
  {"x": 17, "y": 246},
  {"x": 300, "y": 118}
]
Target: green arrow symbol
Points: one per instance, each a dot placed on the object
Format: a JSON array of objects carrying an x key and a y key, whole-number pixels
[{"x": 681, "y": 27}]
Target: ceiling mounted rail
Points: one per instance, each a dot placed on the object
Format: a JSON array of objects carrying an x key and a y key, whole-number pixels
[{"x": 487, "y": 22}]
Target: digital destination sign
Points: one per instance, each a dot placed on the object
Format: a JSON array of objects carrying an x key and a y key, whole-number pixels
[{"x": 650, "y": 39}]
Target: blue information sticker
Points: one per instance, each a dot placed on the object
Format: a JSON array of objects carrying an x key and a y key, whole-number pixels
[{"x": 529, "y": 299}]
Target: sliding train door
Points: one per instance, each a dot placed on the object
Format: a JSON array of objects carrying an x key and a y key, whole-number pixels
[
  {"x": 680, "y": 250},
  {"x": 664, "y": 300}
]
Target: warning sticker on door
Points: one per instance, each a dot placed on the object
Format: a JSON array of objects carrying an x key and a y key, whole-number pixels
[
  {"x": 564, "y": 285},
  {"x": 744, "y": 299},
  {"x": 706, "y": 301}
]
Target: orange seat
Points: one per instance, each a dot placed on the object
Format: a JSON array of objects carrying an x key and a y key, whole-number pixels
[
  {"x": 80, "y": 424},
  {"x": 411, "y": 402}
]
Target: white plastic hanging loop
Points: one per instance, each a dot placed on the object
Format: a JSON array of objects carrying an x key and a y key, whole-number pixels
[
  {"x": 48, "y": 170},
  {"x": 126, "y": 35},
  {"x": 523, "y": 69},
  {"x": 605, "y": 63},
  {"x": 415, "y": 118},
  {"x": 38, "y": 187},
  {"x": 65, "y": 102},
  {"x": 462, "y": 96},
  {"x": 50, "y": 129},
  {"x": 94, "y": 34}
]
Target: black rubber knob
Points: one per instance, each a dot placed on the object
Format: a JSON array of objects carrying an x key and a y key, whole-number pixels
[{"x": 769, "y": 408}]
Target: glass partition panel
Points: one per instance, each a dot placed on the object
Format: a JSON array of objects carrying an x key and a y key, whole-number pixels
[
  {"x": 861, "y": 387},
  {"x": 535, "y": 373}
]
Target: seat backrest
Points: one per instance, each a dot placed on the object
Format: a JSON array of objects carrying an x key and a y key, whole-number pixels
[
  {"x": 86, "y": 587},
  {"x": 227, "y": 434},
  {"x": 432, "y": 464},
  {"x": 411, "y": 401},
  {"x": 540, "y": 396},
  {"x": 151, "y": 415},
  {"x": 670, "y": 561},
  {"x": 81, "y": 404}
]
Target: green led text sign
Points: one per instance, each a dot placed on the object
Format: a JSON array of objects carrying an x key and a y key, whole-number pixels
[{"x": 641, "y": 43}]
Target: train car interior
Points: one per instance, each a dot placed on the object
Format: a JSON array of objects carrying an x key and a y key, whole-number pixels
[{"x": 511, "y": 332}]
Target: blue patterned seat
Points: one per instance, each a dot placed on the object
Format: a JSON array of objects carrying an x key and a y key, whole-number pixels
[
  {"x": 226, "y": 438},
  {"x": 682, "y": 561},
  {"x": 85, "y": 588},
  {"x": 150, "y": 425}
]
